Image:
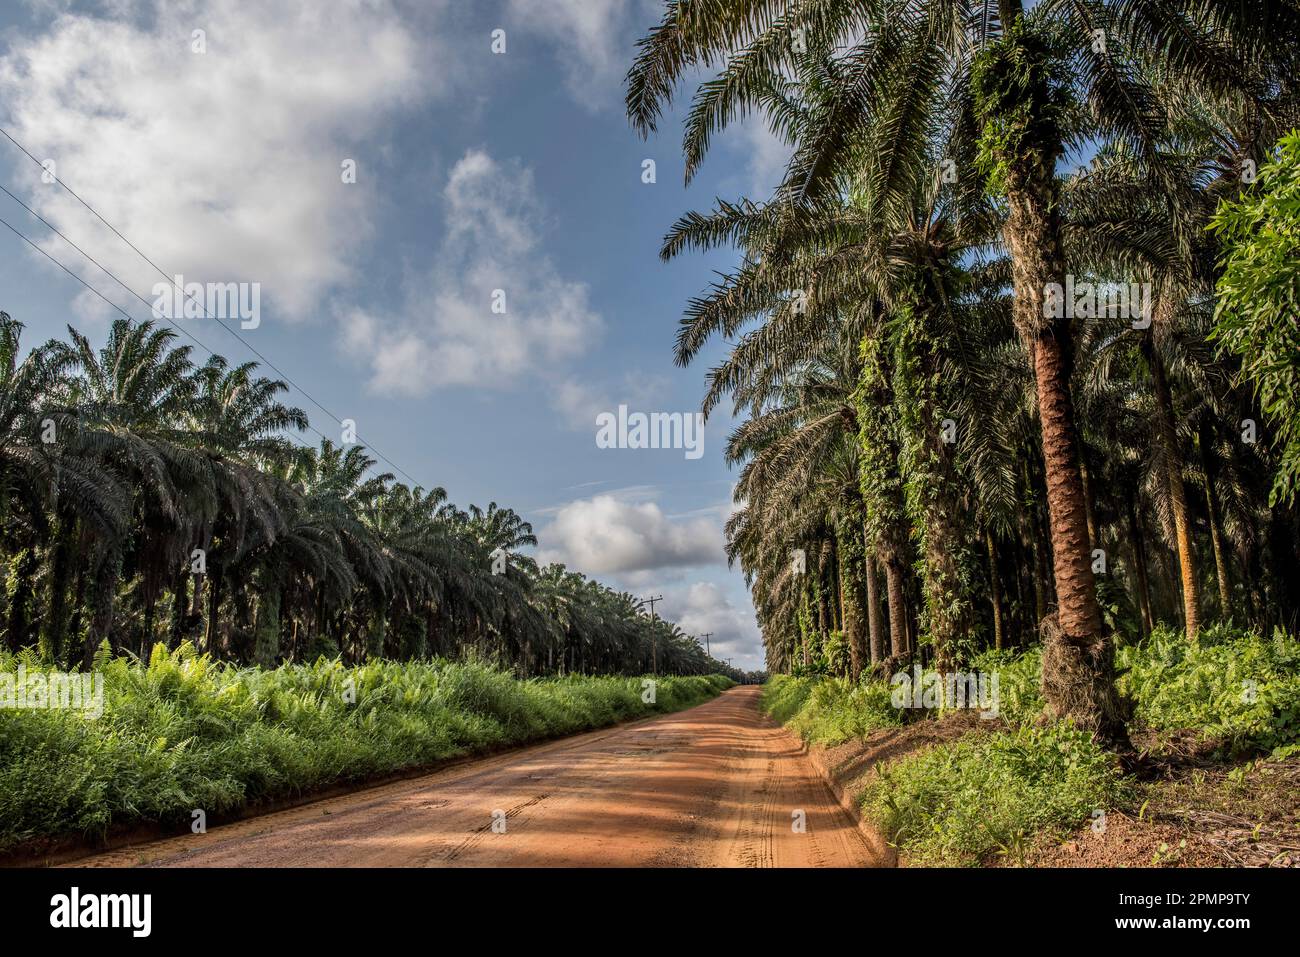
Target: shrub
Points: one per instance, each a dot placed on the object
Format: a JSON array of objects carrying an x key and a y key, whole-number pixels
[
  {"x": 1020, "y": 683},
  {"x": 1255, "y": 319}
]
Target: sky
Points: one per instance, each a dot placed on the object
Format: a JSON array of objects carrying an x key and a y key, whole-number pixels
[{"x": 454, "y": 247}]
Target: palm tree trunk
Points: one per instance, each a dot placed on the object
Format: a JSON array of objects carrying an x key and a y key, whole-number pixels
[
  {"x": 77, "y": 620},
  {"x": 375, "y": 635},
  {"x": 1017, "y": 619},
  {"x": 935, "y": 509},
  {"x": 1076, "y": 595},
  {"x": 56, "y": 616},
  {"x": 1220, "y": 553},
  {"x": 1216, "y": 530},
  {"x": 995, "y": 590},
  {"x": 180, "y": 607},
  {"x": 103, "y": 599},
  {"x": 147, "y": 636},
  {"x": 1033, "y": 569},
  {"x": 807, "y": 631},
  {"x": 851, "y": 574},
  {"x": 897, "y": 608},
  {"x": 20, "y": 598},
  {"x": 824, "y": 616},
  {"x": 1167, "y": 435},
  {"x": 875, "y": 628},
  {"x": 1140, "y": 566},
  {"x": 266, "y": 641},
  {"x": 211, "y": 637},
  {"x": 1089, "y": 503},
  {"x": 1078, "y": 663}
]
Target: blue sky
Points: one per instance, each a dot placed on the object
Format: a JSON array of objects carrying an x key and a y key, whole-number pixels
[{"x": 475, "y": 171}]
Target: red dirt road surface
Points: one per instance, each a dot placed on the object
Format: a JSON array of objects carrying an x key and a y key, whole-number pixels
[{"x": 716, "y": 785}]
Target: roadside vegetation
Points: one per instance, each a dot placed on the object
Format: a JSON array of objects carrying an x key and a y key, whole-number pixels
[
  {"x": 182, "y": 732},
  {"x": 984, "y": 797}
]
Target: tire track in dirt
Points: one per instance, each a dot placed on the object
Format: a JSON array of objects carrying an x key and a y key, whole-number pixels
[{"x": 716, "y": 785}]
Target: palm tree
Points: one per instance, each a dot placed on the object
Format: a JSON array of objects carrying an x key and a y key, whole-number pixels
[{"x": 241, "y": 427}]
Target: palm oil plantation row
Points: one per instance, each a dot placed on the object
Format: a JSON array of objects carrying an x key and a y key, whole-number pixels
[
  {"x": 1015, "y": 338},
  {"x": 150, "y": 500}
]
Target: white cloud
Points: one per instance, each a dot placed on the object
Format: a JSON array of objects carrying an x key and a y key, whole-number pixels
[
  {"x": 91, "y": 310},
  {"x": 448, "y": 334},
  {"x": 223, "y": 165},
  {"x": 704, "y": 606},
  {"x": 579, "y": 401},
  {"x": 608, "y": 534}
]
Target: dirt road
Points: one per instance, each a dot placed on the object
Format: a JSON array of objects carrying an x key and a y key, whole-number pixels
[{"x": 717, "y": 785}]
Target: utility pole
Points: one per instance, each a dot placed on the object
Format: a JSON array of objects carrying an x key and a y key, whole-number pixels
[
  {"x": 654, "y": 639},
  {"x": 706, "y": 637}
]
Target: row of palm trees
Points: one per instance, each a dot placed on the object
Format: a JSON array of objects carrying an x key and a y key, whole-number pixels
[
  {"x": 938, "y": 453},
  {"x": 145, "y": 498}
]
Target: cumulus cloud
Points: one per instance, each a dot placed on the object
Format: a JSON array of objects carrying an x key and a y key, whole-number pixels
[
  {"x": 608, "y": 534},
  {"x": 222, "y": 165},
  {"x": 449, "y": 333},
  {"x": 705, "y": 607}
]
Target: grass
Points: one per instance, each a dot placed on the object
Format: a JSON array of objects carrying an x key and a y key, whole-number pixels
[
  {"x": 959, "y": 803},
  {"x": 182, "y": 733},
  {"x": 829, "y": 710}
]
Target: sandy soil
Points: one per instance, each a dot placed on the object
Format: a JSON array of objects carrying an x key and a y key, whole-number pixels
[{"x": 717, "y": 785}]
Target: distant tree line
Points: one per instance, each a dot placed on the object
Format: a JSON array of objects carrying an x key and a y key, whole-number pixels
[{"x": 145, "y": 498}]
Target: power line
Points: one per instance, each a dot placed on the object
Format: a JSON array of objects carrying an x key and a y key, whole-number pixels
[{"x": 161, "y": 272}]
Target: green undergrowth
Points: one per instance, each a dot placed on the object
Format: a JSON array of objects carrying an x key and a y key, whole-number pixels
[
  {"x": 959, "y": 802},
  {"x": 1234, "y": 688},
  {"x": 829, "y": 710},
  {"x": 965, "y": 801},
  {"x": 181, "y": 733}
]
